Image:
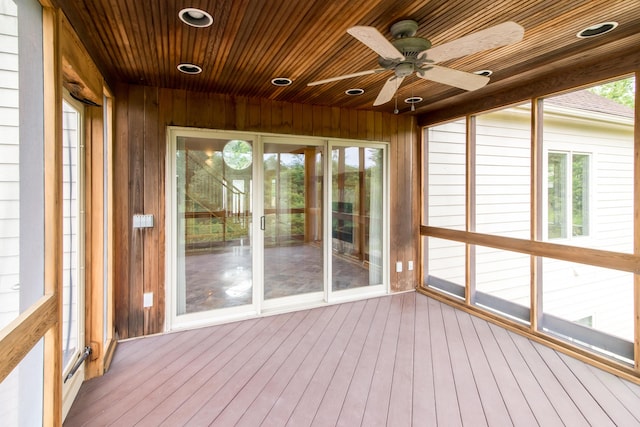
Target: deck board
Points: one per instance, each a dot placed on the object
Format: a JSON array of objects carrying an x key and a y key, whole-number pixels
[
  {"x": 512, "y": 395},
  {"x": 552, "y": 389},
  {"x": 471, "y": 411},
  {"x": 424, "y": 408},
  {"x": 400, "y": 403},
  {"x": 446, "y": 397},
  {"x": 353, "y": 407},
  {"x": 255, "y": 413},
  {"x": 398, "y": 360},
  {"x": 619, "y": 414},
  {"x": 590, "y": 407},
  {"x": 327, "y": 413},
  {"x": 307, "y": 407}
]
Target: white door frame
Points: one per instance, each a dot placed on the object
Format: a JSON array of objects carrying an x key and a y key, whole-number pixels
[{"x": 259, "y": 306}]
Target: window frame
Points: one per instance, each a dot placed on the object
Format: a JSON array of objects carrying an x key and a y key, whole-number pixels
[{"x": 569, "y": 158}]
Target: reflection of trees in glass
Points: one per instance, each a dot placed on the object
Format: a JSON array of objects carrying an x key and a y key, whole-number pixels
[
  {"x": 556, "y": 195},
  {"x": 237, "y": 154},
  {"x": 205, "y": 186},
  {"x": 284, "y": 188},
  {"x": 580, "y": 202}
]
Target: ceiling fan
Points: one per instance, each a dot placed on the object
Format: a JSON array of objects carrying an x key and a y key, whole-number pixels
[{"x": 407, "y": 54}]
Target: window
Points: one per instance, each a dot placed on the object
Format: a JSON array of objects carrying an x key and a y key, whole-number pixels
[
  {"x": 491, "y": 184},
  {"x": 567, "y": 192}
]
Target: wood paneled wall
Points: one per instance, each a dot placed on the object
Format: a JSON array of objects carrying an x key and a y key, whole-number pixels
[{"x": 142, "y": 115}]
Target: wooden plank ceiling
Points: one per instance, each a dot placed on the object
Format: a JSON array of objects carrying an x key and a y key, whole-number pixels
[{"x": 253, "y": 41}]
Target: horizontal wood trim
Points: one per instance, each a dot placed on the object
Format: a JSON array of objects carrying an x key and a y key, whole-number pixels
[
  {"x": 599, "y": 258},
  {"x": 19, "y": 336}
]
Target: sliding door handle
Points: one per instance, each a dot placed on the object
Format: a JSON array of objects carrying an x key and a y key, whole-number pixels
[{"x": 262, "y": 223}]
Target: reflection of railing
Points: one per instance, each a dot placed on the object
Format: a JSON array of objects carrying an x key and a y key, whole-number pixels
[
  {"x": 214, "y": 214},
  {"x": 210, "y": 229},
  {"x": 220, "y": 182}
]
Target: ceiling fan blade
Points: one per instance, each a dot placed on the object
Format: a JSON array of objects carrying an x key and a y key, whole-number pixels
[
  {"x": 346, "y": 76},
  {"x": 375, "y": 41},
  {"x": 451, "y": 77},
  {"x": 499, "y": 35},
  {"x": 388, "y": 90}
]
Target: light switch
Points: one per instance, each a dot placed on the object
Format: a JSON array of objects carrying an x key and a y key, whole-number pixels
[
  {"x": 142, "y": 221},
  {"x": 399, "y": 267}
]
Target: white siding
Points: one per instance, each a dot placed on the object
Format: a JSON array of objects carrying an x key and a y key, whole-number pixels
[
  {"x": 9, "y": 195},
  {"x": 606, "y": 295},
  {"x": 9, "y": 164},
  {"x": 446, "y": 175},
  {"x": 502, "y": 194},
  {"x": 503, "y": 178}
]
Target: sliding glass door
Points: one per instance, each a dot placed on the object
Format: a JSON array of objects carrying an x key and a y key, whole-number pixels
[
  {"x": 213, "y": 222},
  {"x": 292, "y": 221},
  {"x": 262, "y": 222},
  {"x": 357, "y": 217}
]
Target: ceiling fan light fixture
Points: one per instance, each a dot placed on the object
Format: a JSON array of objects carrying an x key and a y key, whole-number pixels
[
  {"x": 281, "y": 81},
  {"x": 413, "y": 100},
  {"x": 189, "y": 68},
  {"x": 195, "y": 17},
  {"x": 485, "y": 73},
  {"x": 597, "y": 29},
  {"x": 354, "y": 91}
]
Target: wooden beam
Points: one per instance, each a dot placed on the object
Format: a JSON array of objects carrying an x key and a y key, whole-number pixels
[
  {"x": 561, "y": 79},
  {"x": 636, "y": 223},
  {"x": 79, "y": 74},
  {"x": 535, "y": 220},
  {"x": 51, "y": 22},
  {"x": 19, "y": 336},
  {"x": 596, "y": 257},
  {"x": 94, "y": 236},
  {"x": 470, "y": 209}
]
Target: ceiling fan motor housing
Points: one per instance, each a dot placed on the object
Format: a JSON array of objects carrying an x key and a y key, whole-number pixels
[
  {"x": 404, "y": 69},
  {"x": 410, "y": 47}
]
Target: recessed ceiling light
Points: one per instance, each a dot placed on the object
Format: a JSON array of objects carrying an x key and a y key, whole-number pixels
[
  {"x": 195, "y": 17},
  {"x": 596, "y": 30},
  {"x": 485, "y": 73},
  {"x": 189, "y": 68},
  {"x": 281, "y": 81},
  {"x": 413, "y": 100},
  {"x": 354, "y": 91}
]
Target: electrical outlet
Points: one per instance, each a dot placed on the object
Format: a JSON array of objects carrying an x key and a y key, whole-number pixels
[
  {"x": 410, "y": 265},
  {"x": 147, "y": 300},
  {"x": 399, "y": 267}
]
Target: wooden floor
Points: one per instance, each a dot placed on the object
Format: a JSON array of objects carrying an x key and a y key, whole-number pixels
[{"x": 398, "y": 360}]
